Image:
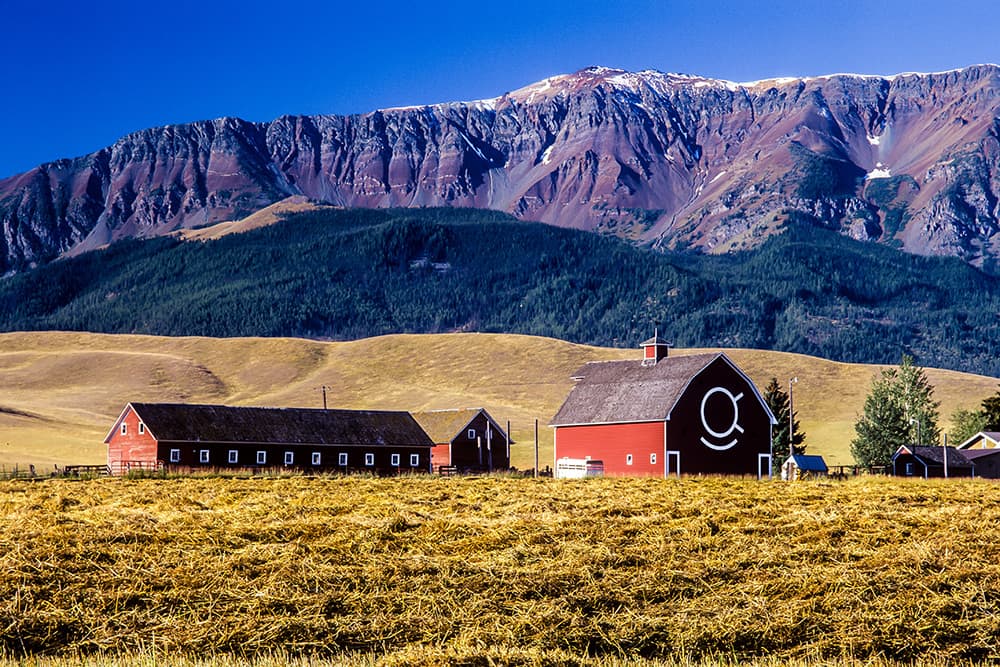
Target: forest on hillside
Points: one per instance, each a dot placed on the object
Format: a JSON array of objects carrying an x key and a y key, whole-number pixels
[{"x": 344, "y": 274}]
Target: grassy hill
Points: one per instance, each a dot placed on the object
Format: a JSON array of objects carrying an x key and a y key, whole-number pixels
[
  {"x": 350, "y": 274},
  {"x": 62, "y": 391}
]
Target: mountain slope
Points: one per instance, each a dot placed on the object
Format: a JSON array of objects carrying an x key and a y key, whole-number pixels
[
  {"x": 353, "y": 274},
  {"x": 673, "y": 160},
  {"x": 66, "y": 389}
]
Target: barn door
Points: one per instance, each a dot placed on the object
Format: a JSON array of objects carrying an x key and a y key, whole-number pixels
[
  {"x": 763, "y": 466},
  {"x": 673, "y": 464}
]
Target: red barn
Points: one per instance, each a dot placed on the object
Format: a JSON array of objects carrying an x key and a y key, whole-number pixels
[
  {"x": 151, "y": 436},
  {"x": 468, "y": 439},
  {"x": 661, "y": 416}
]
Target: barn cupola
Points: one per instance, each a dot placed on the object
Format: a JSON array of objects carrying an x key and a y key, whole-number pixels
[{"x": 654, "y": 349}]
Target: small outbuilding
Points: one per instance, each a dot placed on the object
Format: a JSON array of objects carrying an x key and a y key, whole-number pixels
[
  {"x": 987, "y": 461},
  {"x": 931, "y": 461},
  {"x": 466, "y": 439},
  {"x": 803, "y": 466},
  {"x": 153, "y": 436},
  {"x": 666, "y": 416},
  {"x": 982, "y": 440}
]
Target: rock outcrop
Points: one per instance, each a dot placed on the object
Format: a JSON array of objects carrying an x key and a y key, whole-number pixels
[{"x": 671, "y": 160}]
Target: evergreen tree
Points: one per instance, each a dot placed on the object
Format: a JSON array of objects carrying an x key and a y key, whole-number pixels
[
  {"x": 778, "y": 401},
  {"x": 900, "y": 409}
]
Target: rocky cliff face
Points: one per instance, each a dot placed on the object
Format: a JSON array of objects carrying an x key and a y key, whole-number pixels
[{"x": 672, "y": 160}]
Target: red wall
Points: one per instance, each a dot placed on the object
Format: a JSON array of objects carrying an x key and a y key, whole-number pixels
[
  {"x": 612, "y": 443},
  {"x": 441, "y": 455},
  {"x": 131, "y": 446}
]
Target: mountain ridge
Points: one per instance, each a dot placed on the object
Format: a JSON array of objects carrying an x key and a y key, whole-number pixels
[{"x": 673, "y": 161}]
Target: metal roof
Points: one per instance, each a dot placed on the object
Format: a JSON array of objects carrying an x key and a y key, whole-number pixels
[
  {"x": 628, "y": 391},
  {"x": 935, "y": 455},
  {"x": 445, "y": 425},
  {"x": 809, "y": 463},
  {"x": 178, "y": 422}
]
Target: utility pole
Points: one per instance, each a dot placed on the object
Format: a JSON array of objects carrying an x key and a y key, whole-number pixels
[
  {"x": 536, "y": 448},
  {"x": 324, "y": 388},
  {"x": 944, "y": 450},
  {"x": 791, "y": 416}
]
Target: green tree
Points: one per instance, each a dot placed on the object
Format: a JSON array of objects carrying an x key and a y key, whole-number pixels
[
  {"x": 778, "y": 401},
  {"x": 990, "y": 414},
  {"x": 916, "y": 393},
  {"x": 966, "y": 423},
  {"x": 882, "y": 426},
  {"x": 900, "y": 409}
]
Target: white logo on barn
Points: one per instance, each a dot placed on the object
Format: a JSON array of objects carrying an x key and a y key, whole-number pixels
[{"x": 733, "y": 427}]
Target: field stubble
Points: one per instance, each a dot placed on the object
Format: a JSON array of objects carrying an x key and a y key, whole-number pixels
[{"x": 499, "y": 569}]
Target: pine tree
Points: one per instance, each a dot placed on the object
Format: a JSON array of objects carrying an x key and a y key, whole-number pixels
[
  {"x": 899, "y": 410},
  {"x": 777, "y": 401}
]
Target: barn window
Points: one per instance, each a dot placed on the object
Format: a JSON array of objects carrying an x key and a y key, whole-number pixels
[
  {"x": 472, "y": 434},
  {"x": 203, "y": 455},
  {"x": 142, "y": 428},
  {"x": 234, "y": 455},
  {"x": 652, "y": 458},
  {"x": 316, "y": 458},
  {"x": 289, "y": 458},
  {"x": 261, "y": 458},
  {"x": 628, "y": 459},
  {"x": 909, "y": 468},
  {"x": 175, "y": 455},
  {"x": 124, "y": 428},
  {"x": 414, "y": 460},
  {"x": 342, "y": 458},
  {"x": 394, "y": 460},
  {"x": 369, "y": 459}
]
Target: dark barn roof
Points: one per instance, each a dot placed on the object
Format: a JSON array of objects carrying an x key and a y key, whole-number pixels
[
  {"x": 935, "y": 455},
  {"x": 173, "y": 422},
  {"x": 976, "y": 454},
  {"x": 628, "y": 391}
]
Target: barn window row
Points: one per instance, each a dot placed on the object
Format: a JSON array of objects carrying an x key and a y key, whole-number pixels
[
  {"x": 652, "y": 459},
  {"x": 204, "y": 456}
]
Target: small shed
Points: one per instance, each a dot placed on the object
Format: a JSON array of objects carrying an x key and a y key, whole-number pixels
[
  {"x": 803, "y": 466},
  {"x": 931, "y": 461},
  {"x": 153, "y": 436},
  {"x": 467, "y": 439}
]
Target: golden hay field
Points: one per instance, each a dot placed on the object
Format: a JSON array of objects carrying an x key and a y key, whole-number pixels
[
  {"x": 60, "y": 392},
  {"x": 429, "y": 570}
]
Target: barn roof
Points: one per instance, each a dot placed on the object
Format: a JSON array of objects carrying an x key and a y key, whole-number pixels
[
  {"x": 445, "y": 425},
  {"x": 628, "y": 391},
  {"x": 935, "y": 455},
  {"x": 809, "y": 463},
  {"x": 177, "y": 422},
  {"x": 976, "y": 454}
]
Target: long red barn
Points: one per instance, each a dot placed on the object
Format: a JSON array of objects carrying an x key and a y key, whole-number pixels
[
  {"x": 666, "y": 415},
  {"x": 151, "y": 436}
]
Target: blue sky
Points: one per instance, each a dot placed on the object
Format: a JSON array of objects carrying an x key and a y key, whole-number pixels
[{"x": 77, "y": 76}]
